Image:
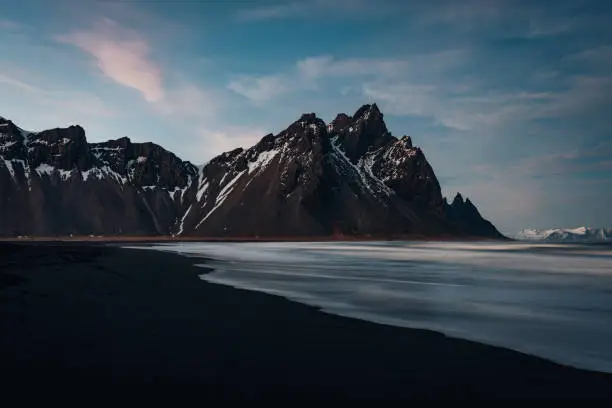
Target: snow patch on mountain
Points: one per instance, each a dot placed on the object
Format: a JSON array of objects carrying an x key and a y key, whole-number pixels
[
  {"x": 363, "y": 170},
  {"x": 223, "y": 194},
  {"x": 202, "y": 190},
  {"x": 101, "y": 173},
  {"x": 182, "y": 223},
  {"x": 9, "y": 165},
  {"x": 44, "y": 169},
  {"x": 65, "y": 174},
  {"x": 181, "y": 191},
  {"x": 263, "y": 159}
]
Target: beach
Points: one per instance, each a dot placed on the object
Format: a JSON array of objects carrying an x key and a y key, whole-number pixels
[{"x": 97, "y": 317}]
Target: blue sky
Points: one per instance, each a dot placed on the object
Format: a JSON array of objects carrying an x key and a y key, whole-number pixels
[{"x": 510, "y": 100}]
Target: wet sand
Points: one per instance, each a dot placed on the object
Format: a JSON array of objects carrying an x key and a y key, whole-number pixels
[{"x": 100, "y": 320}]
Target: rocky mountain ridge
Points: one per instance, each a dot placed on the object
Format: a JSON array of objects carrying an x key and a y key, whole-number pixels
[
  {"x": 348, "y": 177},
  {"x": 55, "y": 183}
]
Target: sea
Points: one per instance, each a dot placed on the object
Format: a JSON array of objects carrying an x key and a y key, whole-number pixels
[{"x": 548, "y": 300}]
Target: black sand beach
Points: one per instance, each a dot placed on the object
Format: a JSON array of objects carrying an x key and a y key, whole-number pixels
[{"x": 97, "y": 319}]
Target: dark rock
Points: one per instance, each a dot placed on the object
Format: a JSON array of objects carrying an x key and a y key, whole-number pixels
[
  {"x": 467, "y": 219},
  {"x": 64, "y": 149},
  {"x": 11, "y": 141},
  {"x": 55, "y": 183},
  {"x": 407, "y": 141},
  {"x": 366, "y": 130}
]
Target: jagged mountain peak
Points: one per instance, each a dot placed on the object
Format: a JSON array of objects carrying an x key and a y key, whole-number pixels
[
  {"x": 308, "y": 117},
  {"x": 407, "y": 141},
  {"x": 467, "y": 218},
  {"x": 122, "y": 142},
  {"x": 308, "y": 123},
  {"x": 364, "y": 131},
  {"x": 458, "y": 200},
  {"x": 463, "y": 203},
  {"x": 368, "y": 111},
  {"x": 341, "y": 121}
]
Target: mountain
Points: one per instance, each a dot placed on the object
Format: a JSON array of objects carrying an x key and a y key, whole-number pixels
[
  {"x": 348, "y": 177},
  {"x": 55, "y": 183},
  {"x": 581, "y": 234}
]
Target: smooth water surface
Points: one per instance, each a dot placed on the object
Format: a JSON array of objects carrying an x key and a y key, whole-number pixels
[{"x": 550, "y": 300}]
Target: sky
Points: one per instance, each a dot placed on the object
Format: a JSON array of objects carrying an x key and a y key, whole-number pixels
[{"x": 510, "y": 100}]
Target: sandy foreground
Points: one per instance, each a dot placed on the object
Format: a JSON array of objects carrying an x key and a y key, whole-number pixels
[{"x": 108, "y": 322}]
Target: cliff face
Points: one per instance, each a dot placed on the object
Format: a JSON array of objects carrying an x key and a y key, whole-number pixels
[
  {"x": 350, "y": 177},
  {"x": 55, "y": 183}
]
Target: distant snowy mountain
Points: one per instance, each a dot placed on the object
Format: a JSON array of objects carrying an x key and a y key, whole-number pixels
[{"x": 581, "y": 234}]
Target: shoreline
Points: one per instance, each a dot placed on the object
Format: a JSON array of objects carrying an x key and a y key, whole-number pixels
[
  {"x": 169, "y": 238},
  {"x": 102, "y": 316},
  {"x": 208, "y": 269}
]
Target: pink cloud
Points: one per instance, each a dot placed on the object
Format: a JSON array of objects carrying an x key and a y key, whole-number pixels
[{"x": 122, "y": 56}]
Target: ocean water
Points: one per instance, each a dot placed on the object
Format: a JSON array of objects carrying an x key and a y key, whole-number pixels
[{"x": 549, "y": 300}]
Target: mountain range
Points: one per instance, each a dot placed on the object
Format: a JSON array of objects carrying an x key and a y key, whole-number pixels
[
  {"x": 581, "y": 234},
  {"x": 350, "y": 177}
]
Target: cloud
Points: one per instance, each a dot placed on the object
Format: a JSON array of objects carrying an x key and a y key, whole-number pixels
[
  {"x": 232, "y": 137},
  {"x": 470, "y": 104},
  {"x": 302, "y": 8},
  {"x": 306, "y": 73},
  {"x": 507, "y": 18},
  {"x": 273, "y": 11},
  {"x": 4, "y": 79},
  {"x": 263, "y": 88},
  {"x": 594, "y": 157},
  {"x": 454, "y": 107},
  {"x": 213, "y": 140},
  {"x": 122, "y": 56},
  {"x": 422, "y": 85},
  {"x": 9, "y": 24},
  {"x": 466, "y": 11},
  {"x": 328, "y": 66},
  {"x": 189, "y": 101},
  {"x": 51, "y": 97},
  {"x": 544, "y": 28},
  {"x": 77, "y": 105},
  {"x": 600, "y": 57},
  {"x": 584, "y": 97}
]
